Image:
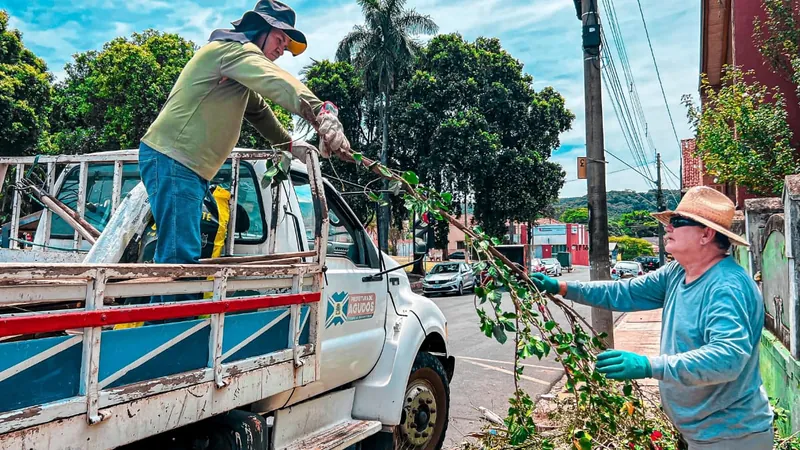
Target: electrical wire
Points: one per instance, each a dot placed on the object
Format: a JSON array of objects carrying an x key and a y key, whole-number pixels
[
  {"x": 658, "y": 74},
  {"x": 630, "y": 166}
]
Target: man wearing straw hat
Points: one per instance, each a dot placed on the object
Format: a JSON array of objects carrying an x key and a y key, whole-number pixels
[
  {"x": 713, "y": 314},
  {"x": 227, "y": 80}
]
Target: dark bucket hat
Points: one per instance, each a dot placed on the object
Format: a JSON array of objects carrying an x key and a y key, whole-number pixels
[{"x": 274, "y": 14}]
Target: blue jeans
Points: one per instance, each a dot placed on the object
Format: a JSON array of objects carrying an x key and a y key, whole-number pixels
[{"x": 176, "y": 198}]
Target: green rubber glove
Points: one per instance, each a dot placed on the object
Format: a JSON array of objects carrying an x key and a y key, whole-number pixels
[
  {"x": 545, "y": 283},
  {"x": 622, "y": 365}
]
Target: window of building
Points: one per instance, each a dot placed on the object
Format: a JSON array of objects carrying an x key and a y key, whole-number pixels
[
  {"x": 559, "y": 248},
  {"x": 461, "y": 245}
]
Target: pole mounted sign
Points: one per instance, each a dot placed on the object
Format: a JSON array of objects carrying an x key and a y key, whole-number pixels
[{"x": 581, "y": 167}]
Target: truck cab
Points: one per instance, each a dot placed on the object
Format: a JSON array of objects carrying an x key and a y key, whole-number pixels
[{"x": 381, "y": 365}]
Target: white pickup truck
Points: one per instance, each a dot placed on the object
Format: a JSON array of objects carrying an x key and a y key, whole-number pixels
[{"x": 312, "y": 340}]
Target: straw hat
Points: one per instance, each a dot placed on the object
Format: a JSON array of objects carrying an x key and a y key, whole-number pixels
[{"x": 709, "y": 207}]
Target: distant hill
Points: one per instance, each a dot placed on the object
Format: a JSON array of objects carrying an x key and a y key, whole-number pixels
[{"x": 621, "y": 202}]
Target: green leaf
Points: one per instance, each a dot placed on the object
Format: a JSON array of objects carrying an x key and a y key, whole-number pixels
[
  {"x": 549, "y": 325},
  {"x": 627, "y": 390},
  {"x": 358, "y": 157},
  {"x": 384, "y": 171},
  {"x": 411, "y": 178},
  {"x": 447, "y": 197},
  {"x": 499, "y": 334},
  {"x": 510, "y": 326},
  {"x": 268, "y": 176},
  {"x": 373, "y": 197}
]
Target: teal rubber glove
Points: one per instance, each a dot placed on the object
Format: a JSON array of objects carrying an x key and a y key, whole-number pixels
[
  {"x": 622, "y": 365},
  {"x": 545, "y": 283}
]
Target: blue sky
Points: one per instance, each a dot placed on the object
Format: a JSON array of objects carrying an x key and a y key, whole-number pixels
[{"x": 543, "y": 34}]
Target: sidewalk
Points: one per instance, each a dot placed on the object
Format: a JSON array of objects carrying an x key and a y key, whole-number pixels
[{"x": 640, "y": 332}]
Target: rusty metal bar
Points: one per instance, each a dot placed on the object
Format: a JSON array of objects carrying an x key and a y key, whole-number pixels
[
  {"x": 294, "y": 320},
  {"x": 116, "y": 189},
  {"x": 320, "y": 207},
  {"x": 10, "y": 272},
  {"x": 232, "y": 202},
  {"x": 90, "y": 363},
  {"x": 81, "y": 205},
  {"x": 47, "y": 218},
  {"x": 16, "y": 208},
  {"x": 256, "y": 258},
  {"x": 217, "y": 331}
]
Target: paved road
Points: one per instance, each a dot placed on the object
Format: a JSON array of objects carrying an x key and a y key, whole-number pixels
[{"x": 484, "y": 368}]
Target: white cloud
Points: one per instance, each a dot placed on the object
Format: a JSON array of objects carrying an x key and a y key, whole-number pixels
[{"x": 542, "y": 34}]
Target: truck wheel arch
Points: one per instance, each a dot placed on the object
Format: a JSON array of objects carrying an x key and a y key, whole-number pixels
[{"x": 435, "y": 344}]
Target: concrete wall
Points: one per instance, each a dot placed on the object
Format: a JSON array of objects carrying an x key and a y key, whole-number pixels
[{"x": 772, "y": 226}]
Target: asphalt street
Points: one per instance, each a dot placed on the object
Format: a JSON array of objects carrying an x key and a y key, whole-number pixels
[{"x": 484, "y": 367}]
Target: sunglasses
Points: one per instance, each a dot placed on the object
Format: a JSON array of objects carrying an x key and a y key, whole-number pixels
[{"x": 678, "y": 221}]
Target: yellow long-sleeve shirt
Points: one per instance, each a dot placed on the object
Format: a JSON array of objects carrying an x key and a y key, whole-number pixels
[{"x": 223, "y": 83}]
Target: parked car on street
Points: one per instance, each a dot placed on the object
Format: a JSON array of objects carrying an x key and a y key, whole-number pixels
[
  {"x": 457, "y": 255},
  {"x": 449, "y": 278},
  {"x": 649, "y": 263},
  {"x": 627, "y": 269},
  {"x": 552, "y": 267}
]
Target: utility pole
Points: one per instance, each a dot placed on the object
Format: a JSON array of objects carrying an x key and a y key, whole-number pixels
[
  {"x": 602, "y": 319},
  {"x": 662, "y": 254}
]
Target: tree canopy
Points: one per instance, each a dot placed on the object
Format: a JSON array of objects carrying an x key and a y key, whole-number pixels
[
  {"x": 469, "y": 121},
  {"x": 24, "y": 94},
  {"x": 110, "y": 97},
  {"x": 742, "y": 133},
  {"x": 575, "y": 215}
]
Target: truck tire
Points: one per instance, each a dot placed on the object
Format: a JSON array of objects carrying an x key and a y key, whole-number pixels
[
  {"x": 238, "y": 430},
  {"x": 426, "y": 406}
]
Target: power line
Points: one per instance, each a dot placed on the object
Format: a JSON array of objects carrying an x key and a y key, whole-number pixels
[
  {"x": 658, "y": 73},
  {"x": 607, "y": 173},
  {"x": 630, "y": 166}
]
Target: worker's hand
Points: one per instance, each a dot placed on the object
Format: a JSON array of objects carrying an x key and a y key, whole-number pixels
[
  {"x": 545, "y": 283},
  {"x": 622, "y": 365},
  {"x": 300, "y": 149},
  {"x": 331, "y": 132}
]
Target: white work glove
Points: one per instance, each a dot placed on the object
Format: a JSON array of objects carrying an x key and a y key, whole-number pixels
[
  {"x": 331, "y": 132},
  {"x": 301, "y": 148}
]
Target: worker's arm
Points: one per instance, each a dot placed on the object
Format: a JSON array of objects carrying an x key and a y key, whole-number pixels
[
  {"x": 261, "y": 116},
  {"x": 728, "y": 345},
  {"x": 248, "y": 66},
  {"x": 635, "y": 294}
]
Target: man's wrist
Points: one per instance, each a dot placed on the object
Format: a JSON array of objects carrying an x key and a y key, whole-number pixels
[{"x": 562, "y": 288}]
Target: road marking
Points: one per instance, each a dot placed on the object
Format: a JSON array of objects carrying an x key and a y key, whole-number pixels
[
  {"x": 524, "y": 377},
  {"x": 534, "y": 366}
]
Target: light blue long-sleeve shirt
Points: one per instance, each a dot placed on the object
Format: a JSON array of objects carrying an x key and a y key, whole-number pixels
[{"x": 708, "y": 370}]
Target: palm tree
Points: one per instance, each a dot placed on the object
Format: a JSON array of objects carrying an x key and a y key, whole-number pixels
[{"x": 380, "y": 49}]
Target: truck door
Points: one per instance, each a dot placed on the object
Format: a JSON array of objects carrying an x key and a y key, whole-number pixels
[{"x": 354, "y": 301}]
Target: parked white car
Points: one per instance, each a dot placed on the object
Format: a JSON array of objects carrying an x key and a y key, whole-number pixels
[
  {"x": 627, "y": 269},
  {"x": 449, "y": 278},
  {"x": 552, "y": 267}
]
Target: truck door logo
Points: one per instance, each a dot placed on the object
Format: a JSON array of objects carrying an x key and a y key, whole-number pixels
[{"x": 344, "y": 307}]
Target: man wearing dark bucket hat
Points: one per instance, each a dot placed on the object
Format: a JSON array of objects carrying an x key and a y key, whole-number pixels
[
  {"x": 227, "y": 80},
  {"x": 713, "y": 314}
]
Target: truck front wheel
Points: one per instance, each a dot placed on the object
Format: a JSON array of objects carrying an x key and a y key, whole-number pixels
[{"x": 425, "y": 407}]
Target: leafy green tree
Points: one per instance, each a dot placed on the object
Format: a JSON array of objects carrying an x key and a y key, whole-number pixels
[
  {"x": 632, "y": 247},
  {"x": 638, "y": 224},
  {"x": 381, "y": 49},
  {"x": 469, "y": 122},
  {"x": 575, "y": 215},
  {"x": 110, "y": 97},
  {"x": 778, "y": 38},
  {"x": 24, "y": 94},
  {"x": 742, "y": 133}
]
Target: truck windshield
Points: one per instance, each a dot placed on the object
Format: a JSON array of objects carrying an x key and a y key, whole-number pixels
[{"x": 99, "y": 186}]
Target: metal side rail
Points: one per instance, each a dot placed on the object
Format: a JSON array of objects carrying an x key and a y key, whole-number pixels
[{"x": 101, "y": 376}]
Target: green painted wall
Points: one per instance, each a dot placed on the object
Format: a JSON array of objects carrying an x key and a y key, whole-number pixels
[{"x": 781, "y": 376}]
